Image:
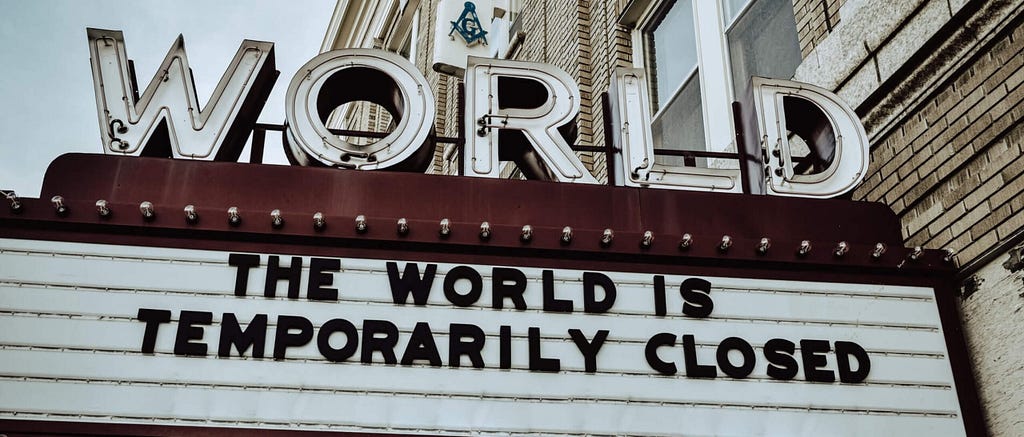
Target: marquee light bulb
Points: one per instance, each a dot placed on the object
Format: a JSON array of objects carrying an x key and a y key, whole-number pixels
[
  {"x": 647, "y": 240},
  {"x": 58, "y": 205},
  {"x": 566, "y": 235},
  {"x": 762, "y": 247},
  {"x": 103, "y": 208},
  {"x": 276, "y": 221},
  {"x": 527, "y": 234},
  {"x": 606, "y": 238},
  {"x": 234, "y": 218},
  {"x": 485, "y": 231},
  {"x": 403, "y": 226},
  {"x": 685, "y": 242},
  {"x": 841, "y": 248},
  {"x": 879, "y": 250},
  {"x": 805, "y": 248},
  {"x": 319, "y": 222},
  {"x": 146, "y": 208},
  {"x": 949, "y": 254},
  {"x": 725, "y": 244},
  {"x": 361, "y": 225},
  {"x": 15, "y": 203},
  {"x": 446, "y": 228},
  {"x": 191, "y": 217},
  {"x": 916, "y": 253}
]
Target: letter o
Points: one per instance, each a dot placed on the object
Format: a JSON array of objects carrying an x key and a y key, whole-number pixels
[{"x": 342, "y": 76}]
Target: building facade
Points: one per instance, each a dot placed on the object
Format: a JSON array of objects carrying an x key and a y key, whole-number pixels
[{"x": 936, "y": 84}]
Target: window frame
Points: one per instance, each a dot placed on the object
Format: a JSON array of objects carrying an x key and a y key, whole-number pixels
[{"x": 713, "y": 70}]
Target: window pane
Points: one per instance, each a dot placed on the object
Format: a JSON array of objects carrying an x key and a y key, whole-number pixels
[
  {"x": 680, "y": 126},
  {"x": 675, "y": 91},
  {"x": 732, "y": 8},
  {"x": 763, "y": 42},
  {"x": 673, "y": 48}
]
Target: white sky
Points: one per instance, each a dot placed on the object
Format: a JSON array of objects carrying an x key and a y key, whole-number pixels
[{"x": 46, "y": 92}]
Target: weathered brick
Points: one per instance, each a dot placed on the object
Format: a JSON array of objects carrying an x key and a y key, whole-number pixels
[
  {"x": 964, "y": 223},
  {"x": 983, "y": 192}
]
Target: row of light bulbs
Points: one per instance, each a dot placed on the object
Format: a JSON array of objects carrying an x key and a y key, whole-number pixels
[{"x": 445, "y": 229}]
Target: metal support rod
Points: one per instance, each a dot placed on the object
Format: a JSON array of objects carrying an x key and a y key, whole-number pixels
[{"x": 609, "y": 148}]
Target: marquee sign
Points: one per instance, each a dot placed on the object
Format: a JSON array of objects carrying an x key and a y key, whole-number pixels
[
  {"x": 144, "y": 294},
  {"x": 514, "y": 109},
  {"x": 367, "y": 345},
  {"x": 527, "y": 311}
]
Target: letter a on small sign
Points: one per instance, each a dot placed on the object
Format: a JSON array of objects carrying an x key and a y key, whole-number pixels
[{"x": 468, "y": 26}]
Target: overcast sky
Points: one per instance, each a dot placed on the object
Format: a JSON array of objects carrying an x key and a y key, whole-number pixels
[{"x": 48, "y": 102}]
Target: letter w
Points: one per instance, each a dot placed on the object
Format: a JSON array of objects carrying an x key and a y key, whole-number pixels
[
  {"x": 166, "y": 120},
  {"x": 410, "y": 282}
]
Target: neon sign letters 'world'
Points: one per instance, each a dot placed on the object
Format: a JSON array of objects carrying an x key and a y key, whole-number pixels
[{"x": 514, "y": 109}]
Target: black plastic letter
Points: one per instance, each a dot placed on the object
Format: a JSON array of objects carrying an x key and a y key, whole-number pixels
[
  {"x": 590, "y": 303},
  {"x": 779, "y": 353},
  {"x": 551, "y": 303},
  {"x": 812, "y": 353},
  {"x": 410, "y": 282},
  {"x": 589, "y": 349},
  {"x": 513, "y": 291},
  {"x": 385, "y": 345},
  {"x": 476, "y": 286},
  {"x": 421, "y": 346},
  {"x": 285, "y": 338},
  {"x": 696, "y": 294},
  {"x": 844, "y": 349},
  {"x": 722, "y": 356},
  {"x": 244, "y": 263},
  {"x": 292, "y": 274},
  {"x": 693, "y": 368},
  {"x": 537, "y": 362},
  {"x": 323, "y": 340},
  {"x": 153, "y": 319},
  {"x": 254, "y": 335},
  {"x": 319, "y": 278},
  {"x": 188, "y": 331},
  {"x": 457, "y": 347}
]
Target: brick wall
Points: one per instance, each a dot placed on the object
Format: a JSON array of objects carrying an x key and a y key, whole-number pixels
[
  {"x": 939, "y": 87},
  {"x": 815, "y": 20}
]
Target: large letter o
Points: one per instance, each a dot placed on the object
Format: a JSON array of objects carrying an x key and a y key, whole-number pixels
[{"x": 341, "y": 76}]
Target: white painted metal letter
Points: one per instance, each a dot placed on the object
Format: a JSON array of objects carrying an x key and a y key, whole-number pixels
[{"x": 133, "y": 124}]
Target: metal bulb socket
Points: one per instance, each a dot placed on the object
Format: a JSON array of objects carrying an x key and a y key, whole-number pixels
[
  {"x": 276, "y": 221},
  {"x": 103, "y": 208},
  {"x": 234, "y": 218},
  {"x": 402, "y": 227},
  {"x": 841, "y": 249},
  {"x": 361, "y": 225},
  {"x": 59, "y": 206},
  {"x": 319, "y": 221},
  {"x": 878, "y": 251},
  {"x": 725, "y": 244},
  {"x": 445, "y": 229},
  {"x": 647, "y": 240},
  {"x": 485, "y": 231},
  {"x": 606, "y": 238},
  {"x": 566, "y": 237},
  {"x": 147, "y": 211},
  {"x": 526, "y": 234},
  {"x": 804, "y": 249},
  {"x": 13, "y": 201},
  {"x": 191, "y": 217},
  {"x": 685, "y": 242}
]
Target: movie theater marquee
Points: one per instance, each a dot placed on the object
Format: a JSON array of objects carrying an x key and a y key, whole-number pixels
[
  {"x": 175, "y": 335},
  {"x": 164, "y": 288}
]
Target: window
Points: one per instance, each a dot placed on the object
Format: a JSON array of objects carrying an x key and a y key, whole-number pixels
[{"x": 699, "y": 56}]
